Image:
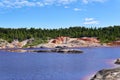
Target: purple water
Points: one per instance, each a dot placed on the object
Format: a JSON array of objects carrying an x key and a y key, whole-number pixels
[{"x": 56, "y": 66}]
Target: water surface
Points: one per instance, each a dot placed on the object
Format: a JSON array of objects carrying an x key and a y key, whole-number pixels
[{"x": 56, "y": 66}]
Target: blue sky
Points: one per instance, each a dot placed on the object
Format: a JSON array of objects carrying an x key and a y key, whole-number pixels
[{"x": 59, "y": 13}]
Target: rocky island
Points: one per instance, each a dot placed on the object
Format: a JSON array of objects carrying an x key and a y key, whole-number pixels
[{"x": 59, "y": 50}]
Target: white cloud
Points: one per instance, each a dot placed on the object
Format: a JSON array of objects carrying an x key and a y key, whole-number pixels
[
  {"x": 90, "y": 21},
  {"x": 77, "y": 9},
  {"x": 85, "y": 1},
  {"x": 32, "y": 3},
  {"x": 99, "y": 0},
  {"x": 58, "y": 2},
  {"x": 65, "y": 1},
  {"x": 48, "y": 2},
  {"x": 19, "y": 3},
  {"x": 66, "y": 7},
  {"x": 39, "y": 3},
  {"x": 88, "y": 1}
]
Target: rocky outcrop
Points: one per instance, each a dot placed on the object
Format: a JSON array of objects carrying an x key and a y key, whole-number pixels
[
  {"x": 74, "y": 42},
  {"x": 90, "y": 39},
  {"x": 48, "y": 50},
  {"x": 46, "y": 45},
  {"x": 3, "y": 43},
  {"x": 59, "y": 50},
  {"x": 63, "y": 50},
  {"x": 117, "y": 61},
  {"x": 14, "y": 44},
  {"x": 60, "y": 40},
  {"x": 107, "y": 74},
  {"x": 18, "y": 44},
  {"x": 114, "y": 43}
]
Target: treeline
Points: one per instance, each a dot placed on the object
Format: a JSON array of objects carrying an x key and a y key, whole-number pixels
[{"x": 105, "y": 34}]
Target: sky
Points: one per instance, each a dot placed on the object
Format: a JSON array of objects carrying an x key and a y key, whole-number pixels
[{"x": 59, "y": 13}]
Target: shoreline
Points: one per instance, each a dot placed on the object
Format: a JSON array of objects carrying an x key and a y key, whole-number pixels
[
  {"x": 49, "y": 50},
  {"x": 62, "y": 41},
  {"x": 65, "y": 47}
]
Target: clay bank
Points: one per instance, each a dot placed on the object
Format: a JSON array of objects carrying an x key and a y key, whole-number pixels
[
  {"x": 72, "y": 42},
  {"x": 62, "y": 41}
]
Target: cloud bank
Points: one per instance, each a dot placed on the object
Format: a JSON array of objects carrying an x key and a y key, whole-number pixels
[{"x": 41, "y": 3}]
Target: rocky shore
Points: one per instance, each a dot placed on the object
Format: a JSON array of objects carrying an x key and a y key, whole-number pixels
[
  {"x": 46, "y": 50},
  {"x": 14, "y": 44},
  {"x": 108, "y": 74},
  {"x": 61, "y": 41},
  {"x": 72, "y": 42},
  {"x": 117, "y": 61}
]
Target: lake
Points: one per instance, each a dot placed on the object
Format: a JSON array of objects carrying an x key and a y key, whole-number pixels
[{"x": 56, "y": 66}]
